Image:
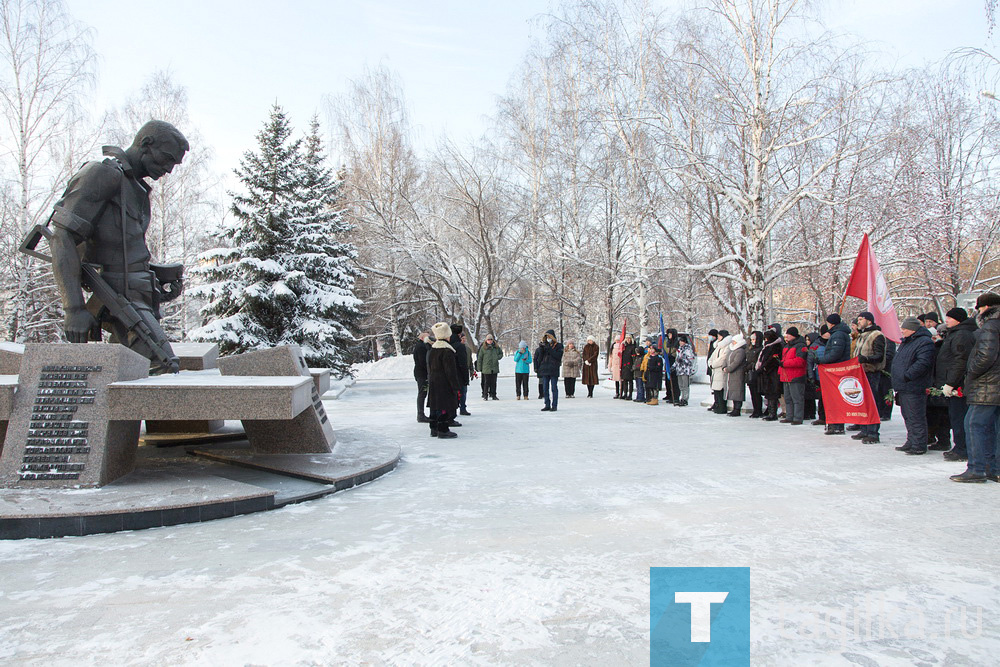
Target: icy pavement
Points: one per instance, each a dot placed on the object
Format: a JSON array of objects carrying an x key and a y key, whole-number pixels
[{"x": 528, "y": 540}]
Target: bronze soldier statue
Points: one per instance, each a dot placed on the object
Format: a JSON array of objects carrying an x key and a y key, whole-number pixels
[{"x": 98, "y": 242}]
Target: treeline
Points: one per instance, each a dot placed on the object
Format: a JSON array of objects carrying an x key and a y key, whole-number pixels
[{"x": 718, "y": 166}]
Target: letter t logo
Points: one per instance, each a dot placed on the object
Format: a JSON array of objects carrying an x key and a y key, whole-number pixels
[{"x": 701, "y": 611}]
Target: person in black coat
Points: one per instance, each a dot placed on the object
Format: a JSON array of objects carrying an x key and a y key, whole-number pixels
[
  {"x": 982, "y": 392},
  {"x": 713, "y": 338},
  {"x": 420, "y": 350},
  {"x": 654, "y": 376},
  {"x": 462, "y": 362},
  {"x": 443, "y": 385},
  {"x": 754, "y": 347},
  {"x": 766, "y": 373},
  {"x": 949, "y": 374},
  {"x": 549, "y": 364},
  {"x": 536, "y": 360},
  {"x": 628, "y": 375},
  {"x": 912, "y": 374},
  {"x": 671, "y": 389}
]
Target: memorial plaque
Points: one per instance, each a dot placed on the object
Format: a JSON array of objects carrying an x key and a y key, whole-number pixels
[
  {"x": 59, "y": 434},
  {"x": 310, "y": 432}
]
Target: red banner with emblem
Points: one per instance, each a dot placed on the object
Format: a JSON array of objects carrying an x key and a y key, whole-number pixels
[
  {"x": 847, "y": 398},
  {"x": 868, "y": 282}
]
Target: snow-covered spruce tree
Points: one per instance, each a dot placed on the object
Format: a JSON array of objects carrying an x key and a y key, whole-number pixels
[
  {"x": 280, "y": 276},
  {"x": 246, "y": 282},
  {"x": 321, "y": 265}
]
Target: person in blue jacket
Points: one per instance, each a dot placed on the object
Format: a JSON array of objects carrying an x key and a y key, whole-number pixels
[
  {"x": 837, "y": 349},
  {"x": 912, "y": 374},
  {"x": 522, "y": 368}
]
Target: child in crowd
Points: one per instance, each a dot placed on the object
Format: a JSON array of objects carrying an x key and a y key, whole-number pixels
[{"x": 653, "y": 375}]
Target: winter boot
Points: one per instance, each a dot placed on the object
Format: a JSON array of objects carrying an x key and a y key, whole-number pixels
[
  {"x": 446, "y": 433},
  {"x": 652, "y": 401},
  {"x": 968, "y": 476}
]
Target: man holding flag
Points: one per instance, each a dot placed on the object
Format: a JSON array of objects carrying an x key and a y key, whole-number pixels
[{"x": 848, "y": 386}]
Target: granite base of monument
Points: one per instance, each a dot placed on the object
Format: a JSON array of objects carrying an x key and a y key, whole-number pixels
[
  {"x": 310, "y": 432},
  {"x": 60, "y": 431},
  {"x": 71, "y": 464}
]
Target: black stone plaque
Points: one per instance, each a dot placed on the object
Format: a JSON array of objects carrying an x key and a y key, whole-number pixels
[{"x": 47, "y": 431}]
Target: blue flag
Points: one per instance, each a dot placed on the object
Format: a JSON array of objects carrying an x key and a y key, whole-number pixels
[{"x": 663, "y": 338}]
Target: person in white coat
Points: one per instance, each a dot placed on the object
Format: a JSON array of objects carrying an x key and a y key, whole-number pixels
[{"x": 717, "y": 362}]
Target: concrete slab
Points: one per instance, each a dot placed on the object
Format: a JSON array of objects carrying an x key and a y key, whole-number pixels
[
  {"x": 196, "y": 356},
  {"x": 202, "y": 396},
  {"x": 322, "y": 378},
  {"x": 310, "y": 432},
  {"x": 349, "y": 464},
  {"x": 145, "y": 489},
  {"x": 10, "y": 358},
  {"x": 8, "y": 387}
]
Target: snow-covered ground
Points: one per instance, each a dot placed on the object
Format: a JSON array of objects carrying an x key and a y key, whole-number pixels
[{"x": 528, "y": 540}]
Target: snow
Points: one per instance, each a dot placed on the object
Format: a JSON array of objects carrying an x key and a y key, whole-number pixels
[{"x": 528, "y": 540}]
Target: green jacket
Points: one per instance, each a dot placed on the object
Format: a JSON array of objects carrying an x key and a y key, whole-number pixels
[{"x": 488, "y": 360}]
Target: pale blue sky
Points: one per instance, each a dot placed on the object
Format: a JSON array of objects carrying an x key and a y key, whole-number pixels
[{"x": 454, "y": 57}]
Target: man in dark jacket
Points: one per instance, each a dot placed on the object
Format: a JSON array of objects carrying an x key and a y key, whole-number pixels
[
  {"x": 912, "y": 373},
  {"x": 949, "y": 374},
  {"x": 537, "y": 359},
  {"x": 713, "y": 339},
  {"x": 837, "y": 349},
  {"x": 462, "y": 364},
  {"x": 871, "y": 356},
  {"x": 549, "y": 363},
  {"x": 982, "y": 392},
  {"x": 420, "y": 350}
]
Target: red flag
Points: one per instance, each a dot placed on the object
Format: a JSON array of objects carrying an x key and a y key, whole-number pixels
[
  {"x": 621, "y": 341},
  {"x": 868, "y": 283},
  {"x": 847, "y": 398}
]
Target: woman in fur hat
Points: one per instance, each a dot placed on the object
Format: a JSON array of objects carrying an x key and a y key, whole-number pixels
[{"x": 443, "y": 385}]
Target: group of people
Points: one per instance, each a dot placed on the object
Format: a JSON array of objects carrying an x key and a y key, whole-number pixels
[
  {"x": 945, "y": 377},
  {"x": 443, "y": 367},
  {"x": 642, "y": 369}
]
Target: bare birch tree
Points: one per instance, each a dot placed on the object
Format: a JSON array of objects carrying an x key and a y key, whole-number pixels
[{"x": 47, "y": 69}]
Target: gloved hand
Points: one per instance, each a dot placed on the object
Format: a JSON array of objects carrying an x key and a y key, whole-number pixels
[
  {"x": 948, "y": 390},
  {"x": 587, "y": 363}
]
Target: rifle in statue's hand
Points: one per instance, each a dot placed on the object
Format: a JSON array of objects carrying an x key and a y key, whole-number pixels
[{"x": 143, "y": 325}]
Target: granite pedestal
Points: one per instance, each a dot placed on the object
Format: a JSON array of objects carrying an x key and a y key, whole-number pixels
[
  {"x": 61, "y": 433},
  {"x": 309, "y": 432},
  {"x": 193, "y": 357}
]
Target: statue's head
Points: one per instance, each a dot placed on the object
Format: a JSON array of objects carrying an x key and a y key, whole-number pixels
[{"x": 160, "y": 147}]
